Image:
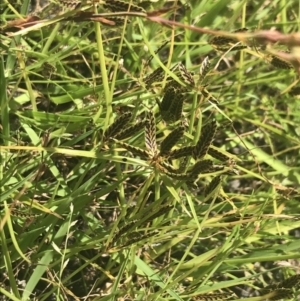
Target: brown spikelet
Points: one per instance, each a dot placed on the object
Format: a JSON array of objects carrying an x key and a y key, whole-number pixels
[
  {"x": 22, "y": 214},
  {"x": 121, "y": 6},
  {"x": 150, "y": 133},
  {"x": 204, "y": 68},
  {"x": 136, "y": 236},
  {"x": 217, "y": 154},
  {"x": 135, "y": 150},
  {"x": 167, "y": 116},
  {"x": 181, "y": 152},
  {"x": 169, "y": 96},
  {"x": 124, "y": 229},
  {"x": 212, "y": 297},
  {"x": 176, "y": 108},
  {"x": 117, "y": 126},
  {"x": 156, "y": 76},
  {"x": 291, "y": 282},
  {"x": 201, "y": 167},
  {"x": 186, "y": 75},
  {"x": 223, "y": 43},
  {"x": 279, "y": 293},
  {"x": 206, "y": 138},
  {"x": 128, "y": 132},
  {"x": 183, "y": 164},
  {"x": 74, "y": 4},
  {"x": 179, "y": 176},
  {"x": 171, "y": 140},
  {"x": 161, "y": 211},
  {"x": 212, "y": 185},
  {"x": 280, "y": 63},
  {"x": 295, "y": 91}
]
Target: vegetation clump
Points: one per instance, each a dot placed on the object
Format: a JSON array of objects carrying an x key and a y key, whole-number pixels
[{"x": 148, "y": 155}]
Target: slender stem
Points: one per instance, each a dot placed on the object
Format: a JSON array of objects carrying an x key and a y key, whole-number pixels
[{"x": 107, "y": 94}]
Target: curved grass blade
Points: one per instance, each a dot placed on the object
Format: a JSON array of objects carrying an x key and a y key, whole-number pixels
[
  {"x": 206, "y": 138},
  {"x": 167, "y": 144}
]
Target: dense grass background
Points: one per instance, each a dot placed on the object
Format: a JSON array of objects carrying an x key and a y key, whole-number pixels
[{"x": 65, "y": 192}]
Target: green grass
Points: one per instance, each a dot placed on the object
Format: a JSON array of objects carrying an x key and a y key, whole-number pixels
[{"x": 83, "y": 218}]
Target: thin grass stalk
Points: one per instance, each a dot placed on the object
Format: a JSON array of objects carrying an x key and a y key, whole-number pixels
[
  {"x": 241, "y": 62},
  {"x": 142, "y": 198},
  {"x": 155, "y": 56},
  {"x": 193, "y": 114},
  {"x": 170, "y": 55},
  {"x": 27, "y": 80},
  {"x": 102, "y": 63},
  {"x": 64, "y": 251},
  {"x": 198, "y": 128},
  {"x": 283, "y": 5},
  {"x": 51, "y": 38},
  {"x": 85, "y": 262},
  {"x": 119, "y": 177},
  {"x": 8, "y": 264},
  {"x": 118, "y": 166},
  {"x": 171, "y": 279},
  {"x": 157, "y": 185},
  {"x": 4, "y": 107}
]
